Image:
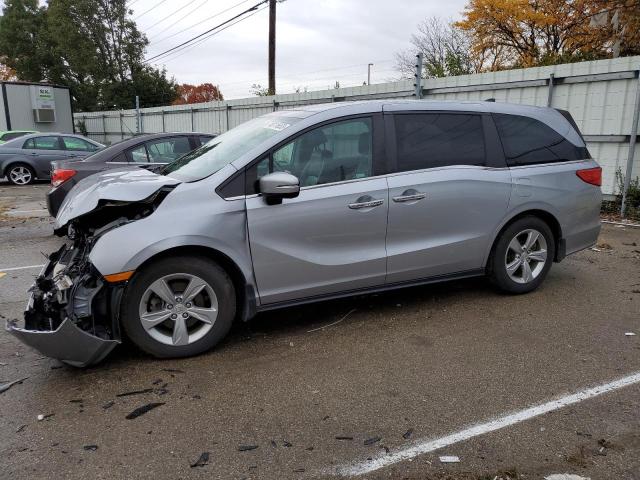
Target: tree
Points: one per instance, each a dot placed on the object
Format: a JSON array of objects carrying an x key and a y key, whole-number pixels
[
  {"x": 20, "y": 40},
  {"x": 259, "y": 91},
  {"x": 445, "y": 51},
  {"x": 7, "y": 73},
  {"x": 539, "y": 32},
  {"x": 92, "y": 46},
  {"x": 205, "y": 92}
]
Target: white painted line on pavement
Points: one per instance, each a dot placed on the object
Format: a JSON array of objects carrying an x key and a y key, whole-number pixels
[
  {"x": 40, "y": 210},
  {"x": 429, "y": 445},
  {"x": 11, "y": 269}
]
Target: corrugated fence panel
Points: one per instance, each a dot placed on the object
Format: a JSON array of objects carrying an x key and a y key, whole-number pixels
[{"x": 600, "y": 96}]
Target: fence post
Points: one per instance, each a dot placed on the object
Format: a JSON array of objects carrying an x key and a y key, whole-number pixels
[
  {"x": 418, "y": 76},
  {"x": 104, "y": 127},
  {"x": 121, "y": 126},
  {"x": 192, "y": 124},
  {"x": 162, "y": 112},
  {"x": 228, "y": 107},
  {"x": 632, "y": 148},
  {"x": 550, "y": 91},
  {"x": 138, "y": 117}
]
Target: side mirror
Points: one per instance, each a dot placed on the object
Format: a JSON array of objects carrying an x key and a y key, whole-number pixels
[{"x": 278, "y": 185}]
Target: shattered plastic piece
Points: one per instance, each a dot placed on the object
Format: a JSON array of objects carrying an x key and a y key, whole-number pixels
[
  {"x": 340, "y": 437},
  {"x": 286, "y": 444},
  {"x": 135, "y": 392},
  {"x": 144, "y": 409},
  {"x": 274, "y": 444},
  {"x": 90, "y": 448},
  {"x": 40, "y": 417},
  {"x": 6, "y": 386},
  {"x": 407, "y": 434},
  {"x": 449, "y": 459},
  {"x": 299, "y": 470},
  {"x": 629, "y": 334},
  {"x": 44, "y": 417},
  {"x": 173, "y": 370},
  {"x": 109, "y": 404},
  {"x": 246, "y": 448},
  {"x": 20, "y": 428},
  {"x": 202, "y": 461},
  {"x": 371, "y": 441}
]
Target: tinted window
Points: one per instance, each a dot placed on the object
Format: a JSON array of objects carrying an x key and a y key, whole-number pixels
[
  {"x": 526, "y": 141},
  {"x": 203, "y": 139},
  {"x": 334, "y": 153},
  {"x": 44, "y": 143},
  {"x": 168, "y": 150},
  {"x": 77, "y": 144},
  {"x": 427, "y": 140}
]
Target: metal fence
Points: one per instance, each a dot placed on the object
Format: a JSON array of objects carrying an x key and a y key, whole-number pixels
[{"x": 603, "y": 96}]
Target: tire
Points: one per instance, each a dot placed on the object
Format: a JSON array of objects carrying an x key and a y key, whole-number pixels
[
  {"x": 522, "y": 272},
  {"x": 178, "y": 329},
  {"x": 20, "y": 174}
]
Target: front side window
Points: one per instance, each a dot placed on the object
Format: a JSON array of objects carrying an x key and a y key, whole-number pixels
[
  {"x": 227, "y": 148},
  {"x": 44, "y": 143},
  {"x": 429, "y": 140},
  {"x": 528, "y": 141},
  {"x": 334, "y": 153},
  {"x": 168, "y": 150}
]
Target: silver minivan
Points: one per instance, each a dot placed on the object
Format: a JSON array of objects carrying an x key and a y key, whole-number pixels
[{"x": 311, "y": 204}]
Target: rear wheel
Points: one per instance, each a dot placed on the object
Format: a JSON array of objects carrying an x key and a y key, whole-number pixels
[
  {"x": 522, "y": 256},
  {"x": 179, "y": 307},
  {"x": 20, "y": 174}
]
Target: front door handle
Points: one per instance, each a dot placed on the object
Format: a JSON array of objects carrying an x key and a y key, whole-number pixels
[
  {"x": 410, "y": 195},
  {"x": 365, "y": 201}
]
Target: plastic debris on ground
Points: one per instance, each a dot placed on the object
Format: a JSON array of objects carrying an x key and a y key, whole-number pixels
[
  {"x": 565, "y": 476},
  {"x": 144, "y": 409},
  {"x": 202, "y": 461},
  {"x": 6, "y": 386},
  {"x": 629, "y": 334}
]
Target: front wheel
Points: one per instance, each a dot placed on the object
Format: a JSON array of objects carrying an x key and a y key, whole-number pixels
[
  {"x": 178, "y": 307},
  {"x": 522, "y": 256}
]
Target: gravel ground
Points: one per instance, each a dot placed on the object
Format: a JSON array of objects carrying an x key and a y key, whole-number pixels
[{"x": 399, "y": 369}]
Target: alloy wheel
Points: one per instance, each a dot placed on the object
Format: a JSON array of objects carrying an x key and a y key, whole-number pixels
[
  {"x": 178, "y": 309},
  {"x": 526, "y": 256},
  {"x": 20, "y": 175}
]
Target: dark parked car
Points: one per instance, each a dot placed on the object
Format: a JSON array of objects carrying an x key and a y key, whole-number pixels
[
  {"x": 147, "y": 151},
  {"x": 29, "y": 157}
]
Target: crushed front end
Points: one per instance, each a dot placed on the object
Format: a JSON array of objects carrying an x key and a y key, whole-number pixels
[{"x": 71, "y": 314}]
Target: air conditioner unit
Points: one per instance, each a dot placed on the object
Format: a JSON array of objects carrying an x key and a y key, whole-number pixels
[{"x": 44, "y": 115}]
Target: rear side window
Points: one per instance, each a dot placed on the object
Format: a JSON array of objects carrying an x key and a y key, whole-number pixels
[
  {"x": 168, "y": 150},
  {"x": 428, "y": 140},
  {"x": 77, "y": 144},
  {"x": 528, "y": 141}
]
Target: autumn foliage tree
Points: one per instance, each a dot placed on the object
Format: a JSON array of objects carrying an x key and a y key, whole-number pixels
[
  {"x": 205, "y": 92},
  {"x": 538, "y": 32}
]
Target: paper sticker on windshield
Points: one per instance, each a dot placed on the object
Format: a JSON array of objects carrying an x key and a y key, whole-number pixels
[{"x": 277, "y": 126}]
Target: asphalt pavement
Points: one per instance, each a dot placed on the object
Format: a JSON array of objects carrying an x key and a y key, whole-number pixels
[{"x": 377, "y": 386}]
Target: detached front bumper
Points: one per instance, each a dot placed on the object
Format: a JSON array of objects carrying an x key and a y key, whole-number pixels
[
  {"x": 67, "y": 343},
  {"x": 80, "y": 330}
]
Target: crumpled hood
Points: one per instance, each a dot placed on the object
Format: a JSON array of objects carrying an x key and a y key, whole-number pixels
[{"x": 129, "y": 185}]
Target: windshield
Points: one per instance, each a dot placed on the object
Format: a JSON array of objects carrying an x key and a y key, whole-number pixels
[{"x": 226, "y": 148}]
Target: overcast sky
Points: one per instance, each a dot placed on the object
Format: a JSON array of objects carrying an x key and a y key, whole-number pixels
[{"x": 318, "y": 42}]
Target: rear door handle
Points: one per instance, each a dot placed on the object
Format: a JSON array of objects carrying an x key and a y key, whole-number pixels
[
  {"x": 410, "y": 195},
  {"x": 365, "y": 201}
]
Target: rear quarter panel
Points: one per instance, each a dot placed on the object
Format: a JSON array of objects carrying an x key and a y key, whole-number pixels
[{"x": 555, "y": 188}]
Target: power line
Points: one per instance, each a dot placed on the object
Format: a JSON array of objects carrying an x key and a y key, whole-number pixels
[
  {"x": 201, "y": 21},
  {"x": 186, "y": 48},
  {"x": 176, "y": 22},
  {"x": 152, "y": 8},
  {"x": 254, "y": 7},
  {"x": 170, "y": 15}
]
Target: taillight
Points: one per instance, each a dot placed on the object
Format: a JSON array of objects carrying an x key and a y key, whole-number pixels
[
  {"x": 591, "y": 175},
  {"x": 61, "y": 175}
]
